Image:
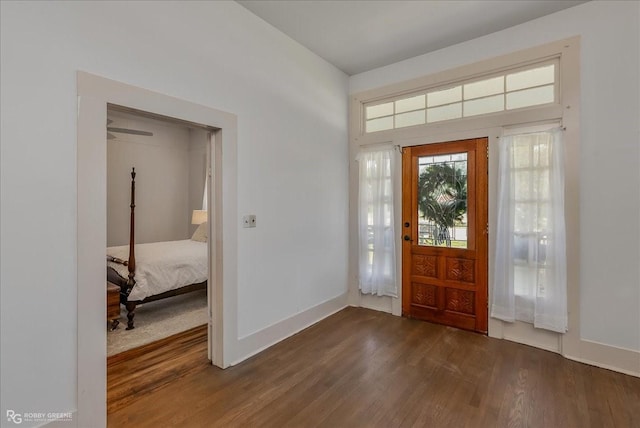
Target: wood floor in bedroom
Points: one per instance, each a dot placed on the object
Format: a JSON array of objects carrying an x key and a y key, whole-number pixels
[{"x": 362, "y": 368}]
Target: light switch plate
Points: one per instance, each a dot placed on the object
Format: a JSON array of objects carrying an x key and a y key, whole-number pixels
[{"x": 249, "y": 221}]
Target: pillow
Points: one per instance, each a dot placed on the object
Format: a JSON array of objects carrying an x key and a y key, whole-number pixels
[{"x": 200, "y": 234}]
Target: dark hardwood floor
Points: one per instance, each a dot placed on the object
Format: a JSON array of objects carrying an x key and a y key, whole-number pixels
[{"x": 361, "y": 368}]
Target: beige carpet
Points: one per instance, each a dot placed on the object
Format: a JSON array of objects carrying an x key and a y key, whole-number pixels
[{"x": 156, "y": 320}]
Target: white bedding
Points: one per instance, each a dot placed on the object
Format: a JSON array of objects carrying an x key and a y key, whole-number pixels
[{"x": 163, "y": 266}]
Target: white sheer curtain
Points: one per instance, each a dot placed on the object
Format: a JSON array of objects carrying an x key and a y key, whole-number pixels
[
  {"x": 377, "y": 271},
  {"x": 204, "y": 195},
  {"x": 531, "y": 274}
]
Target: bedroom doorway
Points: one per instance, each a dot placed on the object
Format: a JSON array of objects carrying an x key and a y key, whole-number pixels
[
  {"x": 157, "y": 251},
  {"x": 167, "y": 162},
  {"x": 95, "y": 95},
  {"x": 445, "y": 233}
]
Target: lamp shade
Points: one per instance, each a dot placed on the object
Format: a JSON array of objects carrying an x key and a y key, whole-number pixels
[{"x": 198, "y": 216}]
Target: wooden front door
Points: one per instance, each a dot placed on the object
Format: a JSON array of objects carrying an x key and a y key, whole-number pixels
[{"x": 444, "y": 231}]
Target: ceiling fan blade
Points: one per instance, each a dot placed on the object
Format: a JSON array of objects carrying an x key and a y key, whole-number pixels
[{"x": 130, "y": 131}]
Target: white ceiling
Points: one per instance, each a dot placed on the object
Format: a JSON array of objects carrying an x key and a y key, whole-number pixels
[{"x": 358, "y": 35}]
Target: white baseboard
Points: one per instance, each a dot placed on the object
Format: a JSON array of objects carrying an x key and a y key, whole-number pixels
[
  {"x": 390, "y": 305},
  {"x": 609, "y": 357},
  {"x": 525, "y": 333},
  {"x": 267, "y": 337},
  {"x": 377, "y": 303}
]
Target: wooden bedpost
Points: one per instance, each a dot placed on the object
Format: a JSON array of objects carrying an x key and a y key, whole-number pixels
[{"x": 132, "y": 256}]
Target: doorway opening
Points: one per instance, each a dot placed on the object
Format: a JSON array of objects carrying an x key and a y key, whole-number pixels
[
  {"x": 157, "y": 181},
  {"x": 95, "y": 96},
  {"x": 157, "y": 249}
]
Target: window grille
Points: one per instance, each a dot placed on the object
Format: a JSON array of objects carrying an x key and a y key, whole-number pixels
[{"x": 515, "y": 89}]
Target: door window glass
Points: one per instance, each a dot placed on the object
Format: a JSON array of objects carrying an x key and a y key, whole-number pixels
[{"x": 442, "y": 200}]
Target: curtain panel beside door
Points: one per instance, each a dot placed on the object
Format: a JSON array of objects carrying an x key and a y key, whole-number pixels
[
  {"x": 531, "y": 269},
  {"x": 377, "y": 251}
]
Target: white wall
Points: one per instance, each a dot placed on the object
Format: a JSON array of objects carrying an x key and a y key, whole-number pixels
[
  {"x": 610, "y": 155},
  {"x": 163, "y": 179},
  {"x": 292, "y": 164}
]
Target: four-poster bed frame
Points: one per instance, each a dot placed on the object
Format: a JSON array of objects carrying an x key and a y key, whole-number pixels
[{"x": 126, "y": 286}]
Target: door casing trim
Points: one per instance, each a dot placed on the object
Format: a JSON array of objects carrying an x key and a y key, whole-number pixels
[{"x": 94, "y": 95}]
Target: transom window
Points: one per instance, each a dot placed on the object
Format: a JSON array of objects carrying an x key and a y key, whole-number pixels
[{"x": 520, "y": 88}]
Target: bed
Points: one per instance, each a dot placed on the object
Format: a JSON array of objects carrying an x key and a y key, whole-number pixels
[{"x": 158, "y": 270}]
